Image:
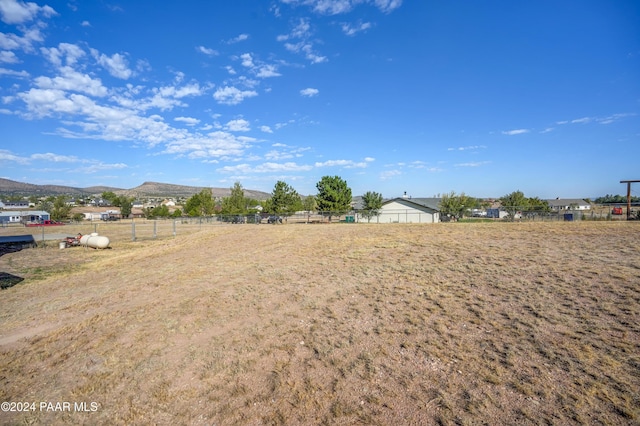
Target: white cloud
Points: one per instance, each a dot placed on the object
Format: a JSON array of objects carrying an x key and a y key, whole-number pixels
[
  {"x": 369, "y": 159},
  {"x": 266, "y": 71},
  {"x": 115, "y": 64},
  {"x": 387, "y": 5},
  {"x": 207, "y": 51},
  {"x": 309, "y": 92},
  {"x": 19, "y": 12},
  {"x": 352, "y": 30},
  {"x": 388, "y": 174},
  {"x": 247, "y": 60},
  {"x": 56, "y": 158},
  {"x": 6, "y": 155},
  {"x": 71, "y": 80},
  {"x": 615, "y": 117},
  {"x": 601, "y": 120},
  {"x": 302, "y": 33},
  {"x": 8, "y": 57},
  {"x": 515, "y": 132},
  {"x": 269, "y": 167},
  {"x": 232, "y": 96},
  {"x": 266, "y": 129},
  {"x": 5, "y": 71},
  {"x": 468, "y": 148},
  {"x": 70, "y": 53},
  {"x": 583, "y": 120},
  {"x": 473, "y": 164},
  {"x": 239, "y": 38},
  {"x": 213, "y": 145},
  {"x": 261, "y": 70},
  {"x": 99, "y": 167},
  {"x": 85, "y": 24},
  {"x": 336, "y": 7},
  {"x": 239, "y": 125},
  {"x": 347, "y": 164},
  {"x": 25, "y": 42},
  {"x": 189, "y": 121}
]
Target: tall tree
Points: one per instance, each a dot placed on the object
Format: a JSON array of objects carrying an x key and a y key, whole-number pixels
[
  {"x": 126, "y": 203},
  {"x": 284, "y": 200},
  {"x": 236, "y": 203},
  {"x": 372, "y": 203},
  {"x": 514, "y": 202},
  {"x": 309, "y": 204},
  {"x": 535, "y": 204},
  {"x": 200, "y": 204},
  {"x": 455, "y": 206},
  {"x": 334, "y": 196},
  {"x": 61, "y": 209},
  {"x": 111, "y": 197}
]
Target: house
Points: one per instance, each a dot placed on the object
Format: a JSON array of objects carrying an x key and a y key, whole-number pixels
[
  {"x": 16, "y": 205},
  {"x": 100, "y": 202},
  {"x": 9, "y": 217},
  {"x": 406, "y": 210},
  {"x": 559, "y": 204},
  {"x": 24, "y": 217}
]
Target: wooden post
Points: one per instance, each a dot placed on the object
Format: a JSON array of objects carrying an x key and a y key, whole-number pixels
[{"x": 629, "y": 182}]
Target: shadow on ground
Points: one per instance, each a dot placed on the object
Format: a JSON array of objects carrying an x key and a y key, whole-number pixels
[{"x": 6, "y": 279}]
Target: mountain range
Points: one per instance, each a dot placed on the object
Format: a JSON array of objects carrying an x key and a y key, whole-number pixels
[{"x": 147, "y": 189}]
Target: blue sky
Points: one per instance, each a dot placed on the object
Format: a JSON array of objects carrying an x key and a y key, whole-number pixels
[{"x": 425, "y": 97}]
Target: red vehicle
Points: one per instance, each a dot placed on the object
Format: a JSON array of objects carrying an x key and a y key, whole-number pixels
[
  {"x": 45, "y": 223},
  {"x": 617, "y": 211}
]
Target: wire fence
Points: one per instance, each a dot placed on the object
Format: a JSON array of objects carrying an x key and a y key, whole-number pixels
[{"x": 149, "y": 229}]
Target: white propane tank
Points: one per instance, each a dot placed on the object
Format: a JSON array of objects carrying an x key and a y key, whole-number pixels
[{"x": 94, "y": 241}]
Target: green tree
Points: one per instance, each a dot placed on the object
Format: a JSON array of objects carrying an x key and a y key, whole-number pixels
[
  {"x": 46, "y": 205},
  {"x": 126, "y": 204},
  {"x": 535, "y": 204},
  {"x": 161, "y": 211},
  {"x": 309, "y": 204},
  {"x": 455, "y": 206},
  {"x": 61, "y": 209},
  {"x": 284, "y": 200},
  {"x": 236, "y": 203},
  {"x": 111, "y": 197},
  {"x": 513, "y": 203},
  {"x": 200, "y": 204},
  {"x": 372, "y": 203},
  {"x": 334, "y": 196}
]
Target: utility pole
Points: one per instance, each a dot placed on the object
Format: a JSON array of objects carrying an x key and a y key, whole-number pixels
[{"x": 629, "y": 182}]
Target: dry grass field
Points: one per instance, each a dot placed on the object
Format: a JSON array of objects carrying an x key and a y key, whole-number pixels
[{"x": 488, "y": 323}]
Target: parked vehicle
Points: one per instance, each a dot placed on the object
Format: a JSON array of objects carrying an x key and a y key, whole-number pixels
[
  {"x": 616, "y": 211},
  {"x": 274, "y": 219},
  {"x": 45, "y": 223}
]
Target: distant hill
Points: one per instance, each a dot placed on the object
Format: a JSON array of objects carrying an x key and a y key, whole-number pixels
[
  {"x": 147, "y": 189},
  {"x": 157, "y": 189},
  {"x": 11, "y": 187}
]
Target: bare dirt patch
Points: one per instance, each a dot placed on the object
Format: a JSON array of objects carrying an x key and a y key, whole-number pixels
[{"x": 524, "y": 323}]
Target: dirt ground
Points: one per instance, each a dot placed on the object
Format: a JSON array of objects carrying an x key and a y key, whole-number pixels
[{"x": 501, "y": 323}]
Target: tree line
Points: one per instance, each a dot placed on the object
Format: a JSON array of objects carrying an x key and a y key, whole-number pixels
[{"x": 333, "y": 197}]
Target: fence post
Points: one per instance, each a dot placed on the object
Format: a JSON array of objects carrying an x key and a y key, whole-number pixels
[
  {"x": 155, "y": 232},
  {"x": 174, "y": 227},
  {"x": 133, "y": 231}
]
